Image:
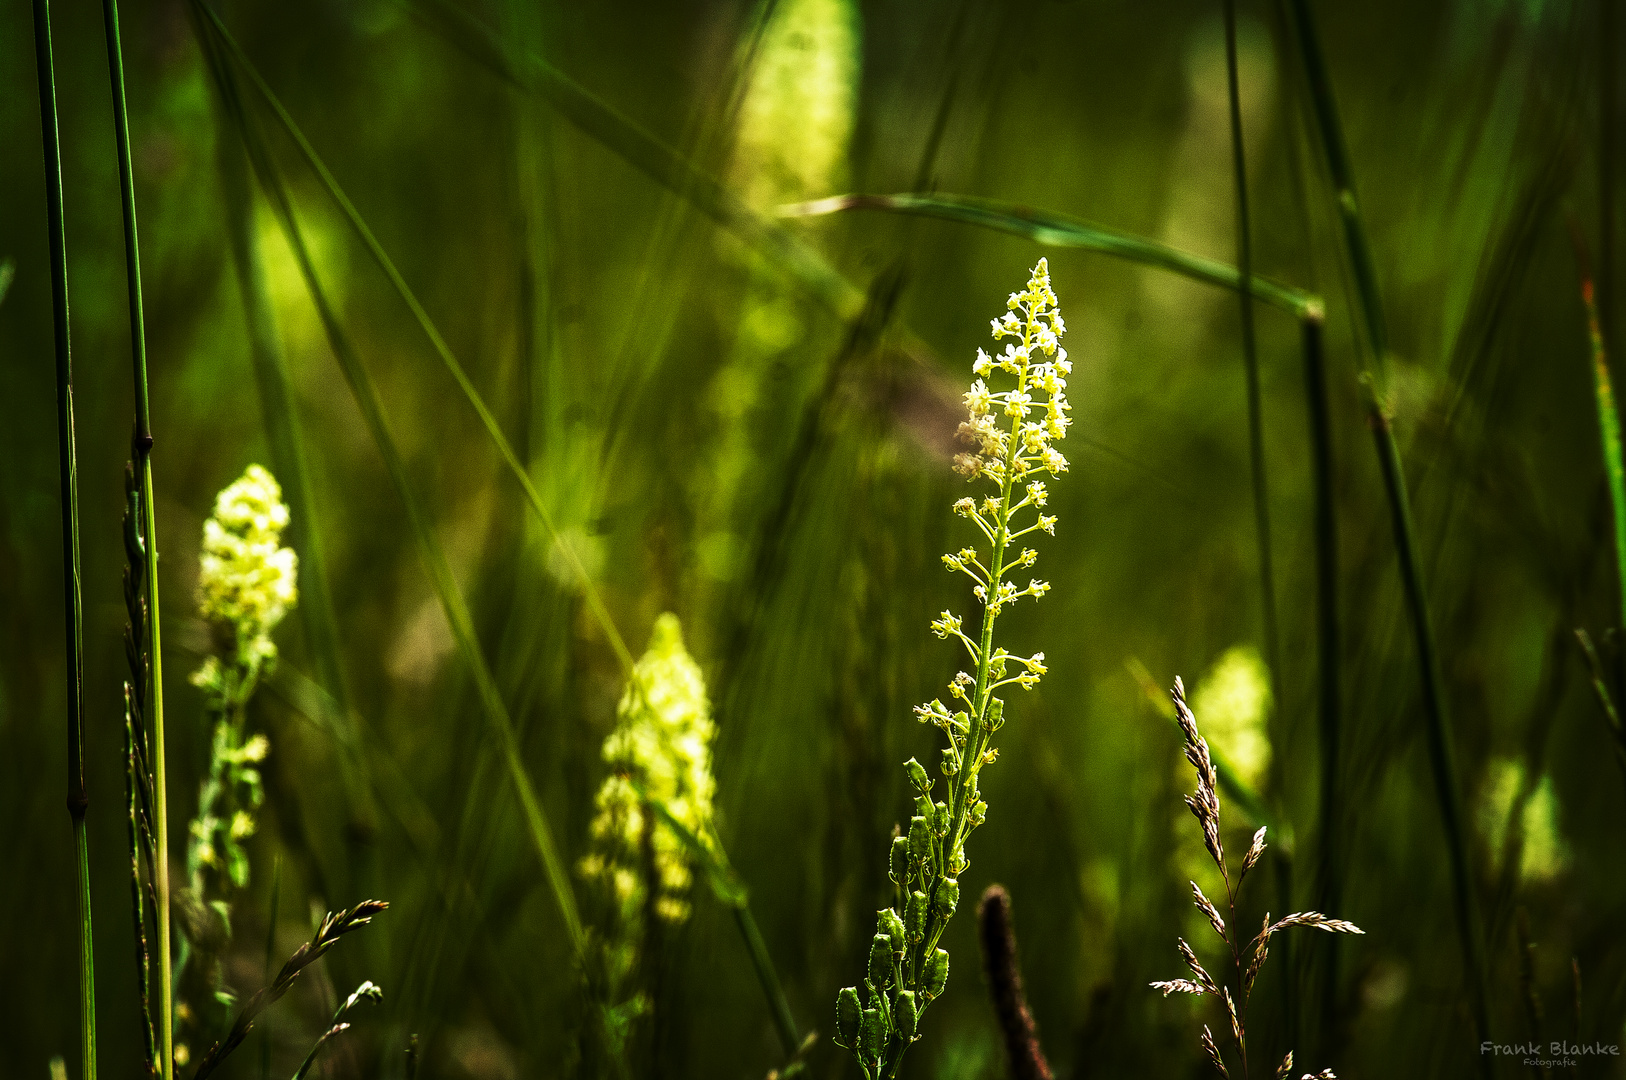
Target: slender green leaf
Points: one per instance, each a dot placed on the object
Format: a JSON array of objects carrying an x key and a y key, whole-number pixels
[
  {"x": 1609, "y": 436},
  {"x": 1058, "y": 230}
]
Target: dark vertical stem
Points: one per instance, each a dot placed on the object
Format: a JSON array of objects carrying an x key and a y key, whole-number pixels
[
  {"x": 153, "y": 710},
  {"x": 72, "y": 605},
  {"x": 1394, "y": 484},
  {"x": 1329, "y": 875},
  {"x": 1441, "y": 756},
  {"x": 1250, "y": 358}
]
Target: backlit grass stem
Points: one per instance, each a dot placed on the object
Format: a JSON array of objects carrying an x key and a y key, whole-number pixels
[{"x": 72, "y": 605}]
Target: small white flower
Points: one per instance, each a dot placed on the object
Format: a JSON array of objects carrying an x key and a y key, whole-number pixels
[{"x": 977, "y": 400}]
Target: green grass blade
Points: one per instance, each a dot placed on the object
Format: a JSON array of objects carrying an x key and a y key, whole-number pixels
[
  {"x": 1606, "y": 701},
  {"x": 1609, "y": 436},
  {"x": 726, "y": 884},
  {"x": 439, "y": 568},
  {"x": 1442, "y": 765},
  {"x": 72, "y": 603},
  {"x": 1325, "y": 106},
  {"x": 385, "y": 263},
  {"x": 1329, "y": 708},
  {"x": 1057, "y": 230},
  {"x": 143, "y": 443}
]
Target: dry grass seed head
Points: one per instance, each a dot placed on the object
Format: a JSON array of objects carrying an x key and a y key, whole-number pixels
[{"x": 1213, "y": 1053}]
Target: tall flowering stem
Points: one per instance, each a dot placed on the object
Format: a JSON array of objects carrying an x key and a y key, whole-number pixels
[
  {"x": 247, "y": 582},
  {"x": 1009, "y": 434}
]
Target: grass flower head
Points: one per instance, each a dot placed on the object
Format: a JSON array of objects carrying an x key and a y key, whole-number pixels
[{"x": 247, "y": 581}]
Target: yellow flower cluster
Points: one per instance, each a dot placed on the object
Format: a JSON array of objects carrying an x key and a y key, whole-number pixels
[
  {"x": 1040, "y": 366},
  {"x": 246, "y": 578},
  {"x": 661, "y": 743}
]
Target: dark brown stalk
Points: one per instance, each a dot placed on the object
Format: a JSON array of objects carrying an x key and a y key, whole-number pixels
[{"x": 998, "y": 939}]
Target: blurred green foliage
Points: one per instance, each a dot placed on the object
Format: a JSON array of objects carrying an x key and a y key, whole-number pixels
[{"x": 711, "y": 440}]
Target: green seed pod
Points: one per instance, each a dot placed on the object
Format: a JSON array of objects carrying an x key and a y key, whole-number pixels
[
  {"x": 898, "y": 866},
  {"x": 995, "y": 716},
  {"x": 923, "y": 807},
  {"x": 905, "y": 1017},
  {"x": 849, "y": 1015},
  {"x": 936, "y": 973},
  {"x": 979, "y": 812},
  {"x": 880, "y": 961},
  {"x": 950, "y": 764},
  {"x": 888, "y": 923},
  {"x": 873, "y": 1036},
  {"x": 940, "y": 819},
  {"x": 920, "y": 838},
  {"x": 948, "y": 897},
  {"x": 916, "y": 915},
  {"x": 917, "y": 775}
]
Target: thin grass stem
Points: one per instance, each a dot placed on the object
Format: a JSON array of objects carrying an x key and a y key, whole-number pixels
[
  {"x": 727, "y": 886},
  {"x": 1250, "y": 359},
  {"x": 72, "y": 603},
  {"x": 153, "y": 709},
  {"x": 1447, "y": 795},
  {"x": 1329, "y": 868},
  {"x": 1608, "y": 436}
]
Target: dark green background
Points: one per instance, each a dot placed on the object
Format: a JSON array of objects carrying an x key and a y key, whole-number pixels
[{"x": 595, "y": 311}]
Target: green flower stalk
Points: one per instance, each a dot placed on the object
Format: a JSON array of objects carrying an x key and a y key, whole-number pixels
[
  {"x": 1010, "y": 433},
  {"x": 247, "y": 582}
]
